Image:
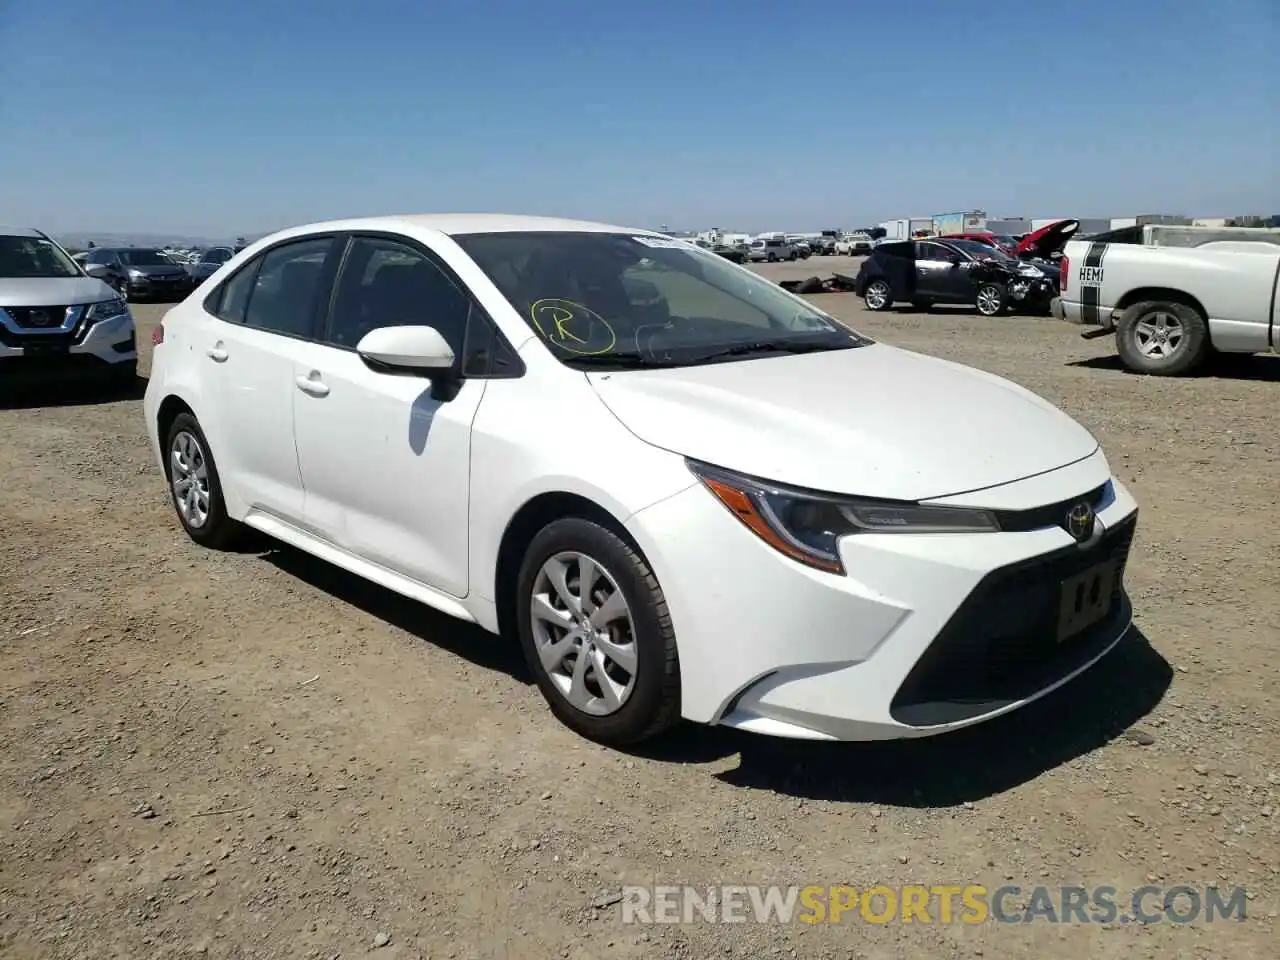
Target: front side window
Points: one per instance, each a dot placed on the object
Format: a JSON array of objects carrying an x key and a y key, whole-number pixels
[
  {"x": 980, "y": 251},
  {"x": 601, "y": 298},
  {"x": 34, "y": 258},
  {"x": 287, "y": 286},
  {"x": 221, "y": 255},
  {"x": 933, "y": 252},
  {"x": 385, "y": 283}
]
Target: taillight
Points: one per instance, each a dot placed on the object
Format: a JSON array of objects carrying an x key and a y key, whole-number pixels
[
  {"x": 157, "y": 335},
  {"x": 1064, "y": 271}
]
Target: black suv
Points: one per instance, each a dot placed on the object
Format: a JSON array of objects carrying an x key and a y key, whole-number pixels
[
  {"x": 139, "y": 272},
  {"x": 925, "y": 272}
]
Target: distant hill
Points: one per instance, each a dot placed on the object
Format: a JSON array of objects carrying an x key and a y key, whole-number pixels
[{"x": 80, "y": 239}]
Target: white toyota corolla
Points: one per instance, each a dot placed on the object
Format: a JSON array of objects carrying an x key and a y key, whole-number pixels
[{"x": 687, "y": 491}]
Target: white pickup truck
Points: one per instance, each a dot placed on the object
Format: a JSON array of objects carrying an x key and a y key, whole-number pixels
[{"x": 1170, "y": 306}]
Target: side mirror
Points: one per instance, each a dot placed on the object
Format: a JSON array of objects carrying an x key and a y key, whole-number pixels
[
  {"x": 416, "y": 349},
  {"x": 98, "y": 270}
]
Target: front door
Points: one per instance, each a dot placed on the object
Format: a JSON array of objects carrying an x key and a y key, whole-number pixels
[
  {"x": 938, "y": 277},
  {"x": 260, "y": 318},
  {"x": 384, "y": 459}
]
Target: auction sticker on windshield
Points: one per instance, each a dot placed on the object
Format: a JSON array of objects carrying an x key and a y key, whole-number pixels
[{"x": 663, "y": 243}]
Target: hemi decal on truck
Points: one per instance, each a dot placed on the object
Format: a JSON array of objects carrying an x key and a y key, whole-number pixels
[{"x": 1091, "y": 284}]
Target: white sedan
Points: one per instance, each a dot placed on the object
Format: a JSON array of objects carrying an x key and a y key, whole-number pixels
[{"x": 685, "y": 490}]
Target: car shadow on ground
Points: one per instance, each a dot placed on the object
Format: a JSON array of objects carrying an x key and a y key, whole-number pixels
[
  {"x": 1223, "y": 366},
  {"x": 71, "y": 394},
  {"x": 1091, "y": 711},
  {"x": 464, "y": 639}
]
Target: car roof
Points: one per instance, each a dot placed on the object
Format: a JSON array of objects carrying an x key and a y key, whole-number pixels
[
  {"x": 458, "y": 224},
  {"x": 6, "y": 231}
]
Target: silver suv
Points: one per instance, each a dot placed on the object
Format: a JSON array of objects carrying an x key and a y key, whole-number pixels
[{"x": 56, "y": 321}]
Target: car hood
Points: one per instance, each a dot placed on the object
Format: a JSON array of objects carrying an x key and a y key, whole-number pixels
[
  {"x": 1049, "y": 240},
  {"x": 52, "y": 292},
  {"x": 873, "y": 421}
]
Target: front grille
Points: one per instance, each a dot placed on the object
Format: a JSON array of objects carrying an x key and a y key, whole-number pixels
[
  {"x": 37, "y": 335},
  {"x": 1052, "y": 515},
  {"x": 38, "y": 318},
  {"x": 1001, "y": 645}
]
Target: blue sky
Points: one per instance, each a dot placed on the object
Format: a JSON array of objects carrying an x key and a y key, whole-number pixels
[{"x": 224, "y": 117}]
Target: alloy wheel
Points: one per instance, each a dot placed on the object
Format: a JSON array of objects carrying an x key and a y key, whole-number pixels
[
  {"x": 877, "y": 295},
  {"x": 989, "y": 301},
  {"x": 189, "y": 479},
  {"x": 1159, "y": 335},
  {"x": 584, "y": 633}
]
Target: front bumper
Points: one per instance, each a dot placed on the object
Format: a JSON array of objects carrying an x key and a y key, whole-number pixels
[
  {"x": 108, "y": 348},
  {"x": 924, "y": 634},
  {"x": 158, "y": 289}
]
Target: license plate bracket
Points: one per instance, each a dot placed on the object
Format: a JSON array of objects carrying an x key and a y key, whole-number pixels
[
  {"x": 46, "y": 350},
  {"x": 1086, "y": 599}
]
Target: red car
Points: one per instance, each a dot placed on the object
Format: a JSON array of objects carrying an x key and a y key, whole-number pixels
[
  {"x": 1001, "y": 242},
  {"x": 1047, "y": 242}
]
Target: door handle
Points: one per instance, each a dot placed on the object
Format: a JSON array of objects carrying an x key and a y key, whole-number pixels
[
  {"x": 313, "y": 386},
  {"x": 217, "y": 352}
]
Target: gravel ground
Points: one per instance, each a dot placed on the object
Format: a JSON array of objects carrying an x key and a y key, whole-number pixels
[{"x": 254, "y": 755}]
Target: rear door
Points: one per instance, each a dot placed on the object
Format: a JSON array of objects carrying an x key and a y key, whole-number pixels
[{"x": 259, "y": 319}]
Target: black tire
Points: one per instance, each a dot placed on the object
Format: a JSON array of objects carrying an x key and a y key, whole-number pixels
[
  {"x": 218, "y": 531},
  {"x": 654, "y": 702},
  {"x": 998, "y": 291},
  {"x": 1191, "y": 351},
  {"x": 867, "y": 297},
  {"x": 770, "y": 258}
]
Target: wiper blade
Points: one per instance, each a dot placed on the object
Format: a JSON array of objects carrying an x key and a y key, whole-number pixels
[
  {"x": 771, "y": 346},
  {"x": 623, "y": 359}
]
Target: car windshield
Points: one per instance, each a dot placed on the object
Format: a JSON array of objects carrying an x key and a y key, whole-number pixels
[
  {"x": 982, "y": 251},
  {"x": 34, "y": 258},
  {"x": 602, "y": 298},
  {"x": 141, "y": 257}
]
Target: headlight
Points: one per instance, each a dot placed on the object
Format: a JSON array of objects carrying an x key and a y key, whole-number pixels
[
  {"x": 807, "y": 526},
  {"x": 137, "y": 275},
  {"x": 107, "y": 310}
]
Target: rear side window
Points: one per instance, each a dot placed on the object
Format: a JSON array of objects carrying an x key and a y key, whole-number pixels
[
  {"x": 230, "y": 300},
  {"x": 287, "y": 286},
  {"x": 277, "y": 291}
]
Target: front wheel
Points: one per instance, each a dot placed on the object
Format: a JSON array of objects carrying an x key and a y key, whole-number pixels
[
  {"x": 991, "y": 299},
  {"x": 597, "y": 635},
  {"x": 878, "y": 296},
  {"x": 1162, "y": 338}
]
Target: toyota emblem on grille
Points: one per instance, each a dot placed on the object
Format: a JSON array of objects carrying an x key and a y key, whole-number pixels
[{"x": 1079, "y": 521}]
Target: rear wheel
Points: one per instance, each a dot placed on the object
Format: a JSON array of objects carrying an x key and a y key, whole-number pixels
[
  {"x": 1162, "y": 338},
  {"x": 878, "y": 296},
  {"x": 195, "y": 487},
  {"x": 596, "y": 633}
]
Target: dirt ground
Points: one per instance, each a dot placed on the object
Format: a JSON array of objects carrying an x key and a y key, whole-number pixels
[{"x": 256, "y": 756}]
